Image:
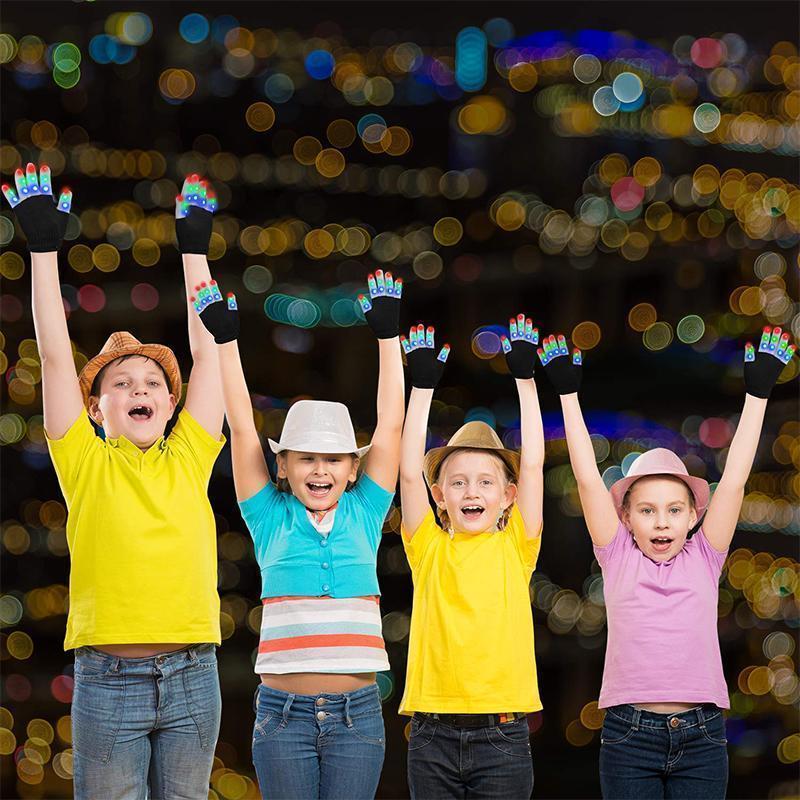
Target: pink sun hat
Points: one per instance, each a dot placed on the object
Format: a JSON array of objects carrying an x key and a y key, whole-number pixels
[{"x": 661, "y": 461}]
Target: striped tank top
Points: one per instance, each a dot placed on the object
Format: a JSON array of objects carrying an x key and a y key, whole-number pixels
[{"x": 321, "y": 634}]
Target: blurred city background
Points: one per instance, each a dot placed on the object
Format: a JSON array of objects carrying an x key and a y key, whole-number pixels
[{"x": 624, "y": 173}]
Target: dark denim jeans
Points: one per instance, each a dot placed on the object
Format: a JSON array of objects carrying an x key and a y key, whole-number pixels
[
  {"x": 645, "y": 755},
  {"x": 447, "y": 762},
  {"x": 145, "y": 727},
  {"x": 327, "y": 746}
]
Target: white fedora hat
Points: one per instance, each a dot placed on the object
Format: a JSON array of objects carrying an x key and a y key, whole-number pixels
[{"x": 318, "y": 426}]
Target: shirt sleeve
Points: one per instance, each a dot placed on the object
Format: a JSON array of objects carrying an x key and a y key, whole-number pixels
[
  {"x": 609, "y": 552},
  {"x": 257, "y": 512},
  {"x": 191, "y": 440},
  {"x": 70, "y": 451},
  {"x": 425, "y": 534},
  {"x": 377, "y": 501},
  {"x": 713, "y": 558},
  {"x": 527, "y": 548}
]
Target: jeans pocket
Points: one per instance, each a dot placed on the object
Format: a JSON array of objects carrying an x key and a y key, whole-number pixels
[
  {"x": 267, "y": 725},
  {"x": 422, "y": 732},
  {"x": 512, "y": 738},
  {"x": 615, "y": 729},
  {"x": 714, "y": 730},
  {"x": 369, "y": 728},
  {"x": 203, "y": 701},
  {"x": 98, "y": 703}
]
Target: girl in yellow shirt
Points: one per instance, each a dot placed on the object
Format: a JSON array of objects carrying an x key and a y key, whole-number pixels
[{"x": 471, "y": 677}]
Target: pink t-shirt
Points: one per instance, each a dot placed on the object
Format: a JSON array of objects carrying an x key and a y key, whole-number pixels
[{"x": 662, "y": 645}]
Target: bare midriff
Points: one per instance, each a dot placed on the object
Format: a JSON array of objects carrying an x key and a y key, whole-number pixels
[
  {"x": 665, "y": 708},
  {"x": 317, "y": 682},
  {"x": 138, "y": 650}
]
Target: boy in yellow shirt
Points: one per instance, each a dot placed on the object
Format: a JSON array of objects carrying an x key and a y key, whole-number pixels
[
  {"x": 471, "y": 678},
  {"x": 144, "y": 609}
]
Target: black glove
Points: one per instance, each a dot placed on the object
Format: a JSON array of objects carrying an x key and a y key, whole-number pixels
[
  {"x": 762, "y": 368},
  {"x": 221, "y": 317},
  {"x": 43, "y": 221},
  {"x": 425, "y": 366},
  {"x": 382, "y": 307},
  {"x": 194, "y": 209},
  {"x": 520, "y": 346},
  {"x": 562, "y": 371}
]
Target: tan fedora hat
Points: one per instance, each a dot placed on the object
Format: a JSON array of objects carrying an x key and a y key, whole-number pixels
[
  {"x": 661, "y": 461},
  {"x": 121, "y": 344},
  {"x": 472, "y": 436}
]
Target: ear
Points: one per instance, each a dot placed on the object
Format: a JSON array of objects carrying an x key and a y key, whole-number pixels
[
  {"x": 280, "y": 461},
  {"x": 93, "y": 409},
  {"x": 692, "y": 518},
  {"x": 354, "y": 471},
  {"x": 510, "y": 495},
  {"x": 626, "y": 518},
  {"x": 172, "y": 404},
  {"x": 438, "y": 495}
]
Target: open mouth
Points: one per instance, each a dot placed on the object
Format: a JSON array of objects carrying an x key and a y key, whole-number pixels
[
  {"x": 661, "y": 543},
  {"x": 141, "y": 413},
  {"x": 472, "y": 512},
  {"x": 319, "y": 489}
]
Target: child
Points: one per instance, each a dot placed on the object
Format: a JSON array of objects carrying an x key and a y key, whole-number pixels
[
  {"x": 471, "y": 676},
  {"x": 144, "y": 609},
  {"x": 319, "y": 729},
  {"x": 663, "y": 686}
]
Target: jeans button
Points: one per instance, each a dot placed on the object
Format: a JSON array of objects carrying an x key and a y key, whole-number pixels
[
  {"x": 674, "y": 722},
  {"x": 321, "y": 715},
  {"x": 321, "y": 701}
]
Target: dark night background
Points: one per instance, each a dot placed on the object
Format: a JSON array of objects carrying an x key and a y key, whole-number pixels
[{"x": 661, "y": 313}]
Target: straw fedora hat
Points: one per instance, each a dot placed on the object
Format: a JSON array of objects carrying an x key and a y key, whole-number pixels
[
  {"x": 121, "y": 344},
  {"x": 661, "y": 461},
  {"x": 472, "y": 436},
  {"x": 318, "y": 426}
]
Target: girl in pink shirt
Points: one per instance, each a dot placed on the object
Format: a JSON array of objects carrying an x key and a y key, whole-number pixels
[{"x": 663, "y": 686}]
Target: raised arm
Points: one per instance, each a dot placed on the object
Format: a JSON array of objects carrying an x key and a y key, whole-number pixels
[
  {"x": 44, "y": 223},
  {"x": 564, "y": 372},
  {"x": 194, "y": 208},
  {"x": 761, "y": 371},
  {"x": 221, "y": 318},
  {"x": 426, "y": 368},
  {"x": 382, "y": 312},
  {"x": 520, "y": 351}
]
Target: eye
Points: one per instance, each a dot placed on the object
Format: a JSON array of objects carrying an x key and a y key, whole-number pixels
[
  {"x": 646, "y": 510},
  {"x": 334, "y": 460},
  {"x": 154, "y": 383},
  {"x": 121, "y": 383},
  {"x": 306, "y": 458},
  {"x": 458, "y": 483},
  {"x": 675, "y": 510},
  {"x": 487, "y": 482}
]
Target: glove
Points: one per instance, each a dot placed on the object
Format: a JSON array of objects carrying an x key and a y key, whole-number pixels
[
  {"x": 762, "y": 368},
  {"x": 194, "y": 209},
  {"x": 519, "y": 346},
  {"x": 425, "y": 366},
  {"x": 221, "y": 319},
  {"x": 43, "y": 221},
  {"x": 562, "y": 371},
  {"x": 382, "y": 307}
]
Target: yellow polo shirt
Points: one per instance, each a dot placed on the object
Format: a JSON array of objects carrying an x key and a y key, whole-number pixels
[
  {"x": 141, "y": 536},
  {"x": 471, "y": 644}
]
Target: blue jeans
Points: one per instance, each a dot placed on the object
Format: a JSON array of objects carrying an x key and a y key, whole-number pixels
[
  {"x": 145, "y": 727},
  {"x": 447, "y": 762},
  {"x": 645, "y": 755},
  {"x": 318, "y": 746}
]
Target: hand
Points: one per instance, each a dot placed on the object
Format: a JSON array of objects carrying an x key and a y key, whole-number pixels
[
  {"x": 520, "y": 346},
  {"x": 220, "y": 318},
  {"x": 382, "y": 307},
  {"x": 762, "y": 368},
  {"x": 563, "y": 372},
  {"x": 43, "y": 221},
  {"x": 425, "y": 366},
  {"x": 194, "y": 208}
]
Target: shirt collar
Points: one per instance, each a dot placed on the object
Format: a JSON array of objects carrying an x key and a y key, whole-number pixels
[{"x": 125, "y": 445}]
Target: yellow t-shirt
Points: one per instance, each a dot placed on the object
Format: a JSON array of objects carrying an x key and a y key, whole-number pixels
[
  {"x": 141, "y": 536},
  {"x": 471, "y": 645}
]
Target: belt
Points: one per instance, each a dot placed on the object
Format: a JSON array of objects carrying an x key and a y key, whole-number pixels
[{"x": 472, "y": 720}]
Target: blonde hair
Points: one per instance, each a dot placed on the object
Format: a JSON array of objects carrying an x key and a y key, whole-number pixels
[
  {"x": 626, "y": 500},
  {"x": 444, "y": 517}
]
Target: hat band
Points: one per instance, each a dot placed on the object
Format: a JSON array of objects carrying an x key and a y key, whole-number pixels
[{"x": 319, "y": 442}]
